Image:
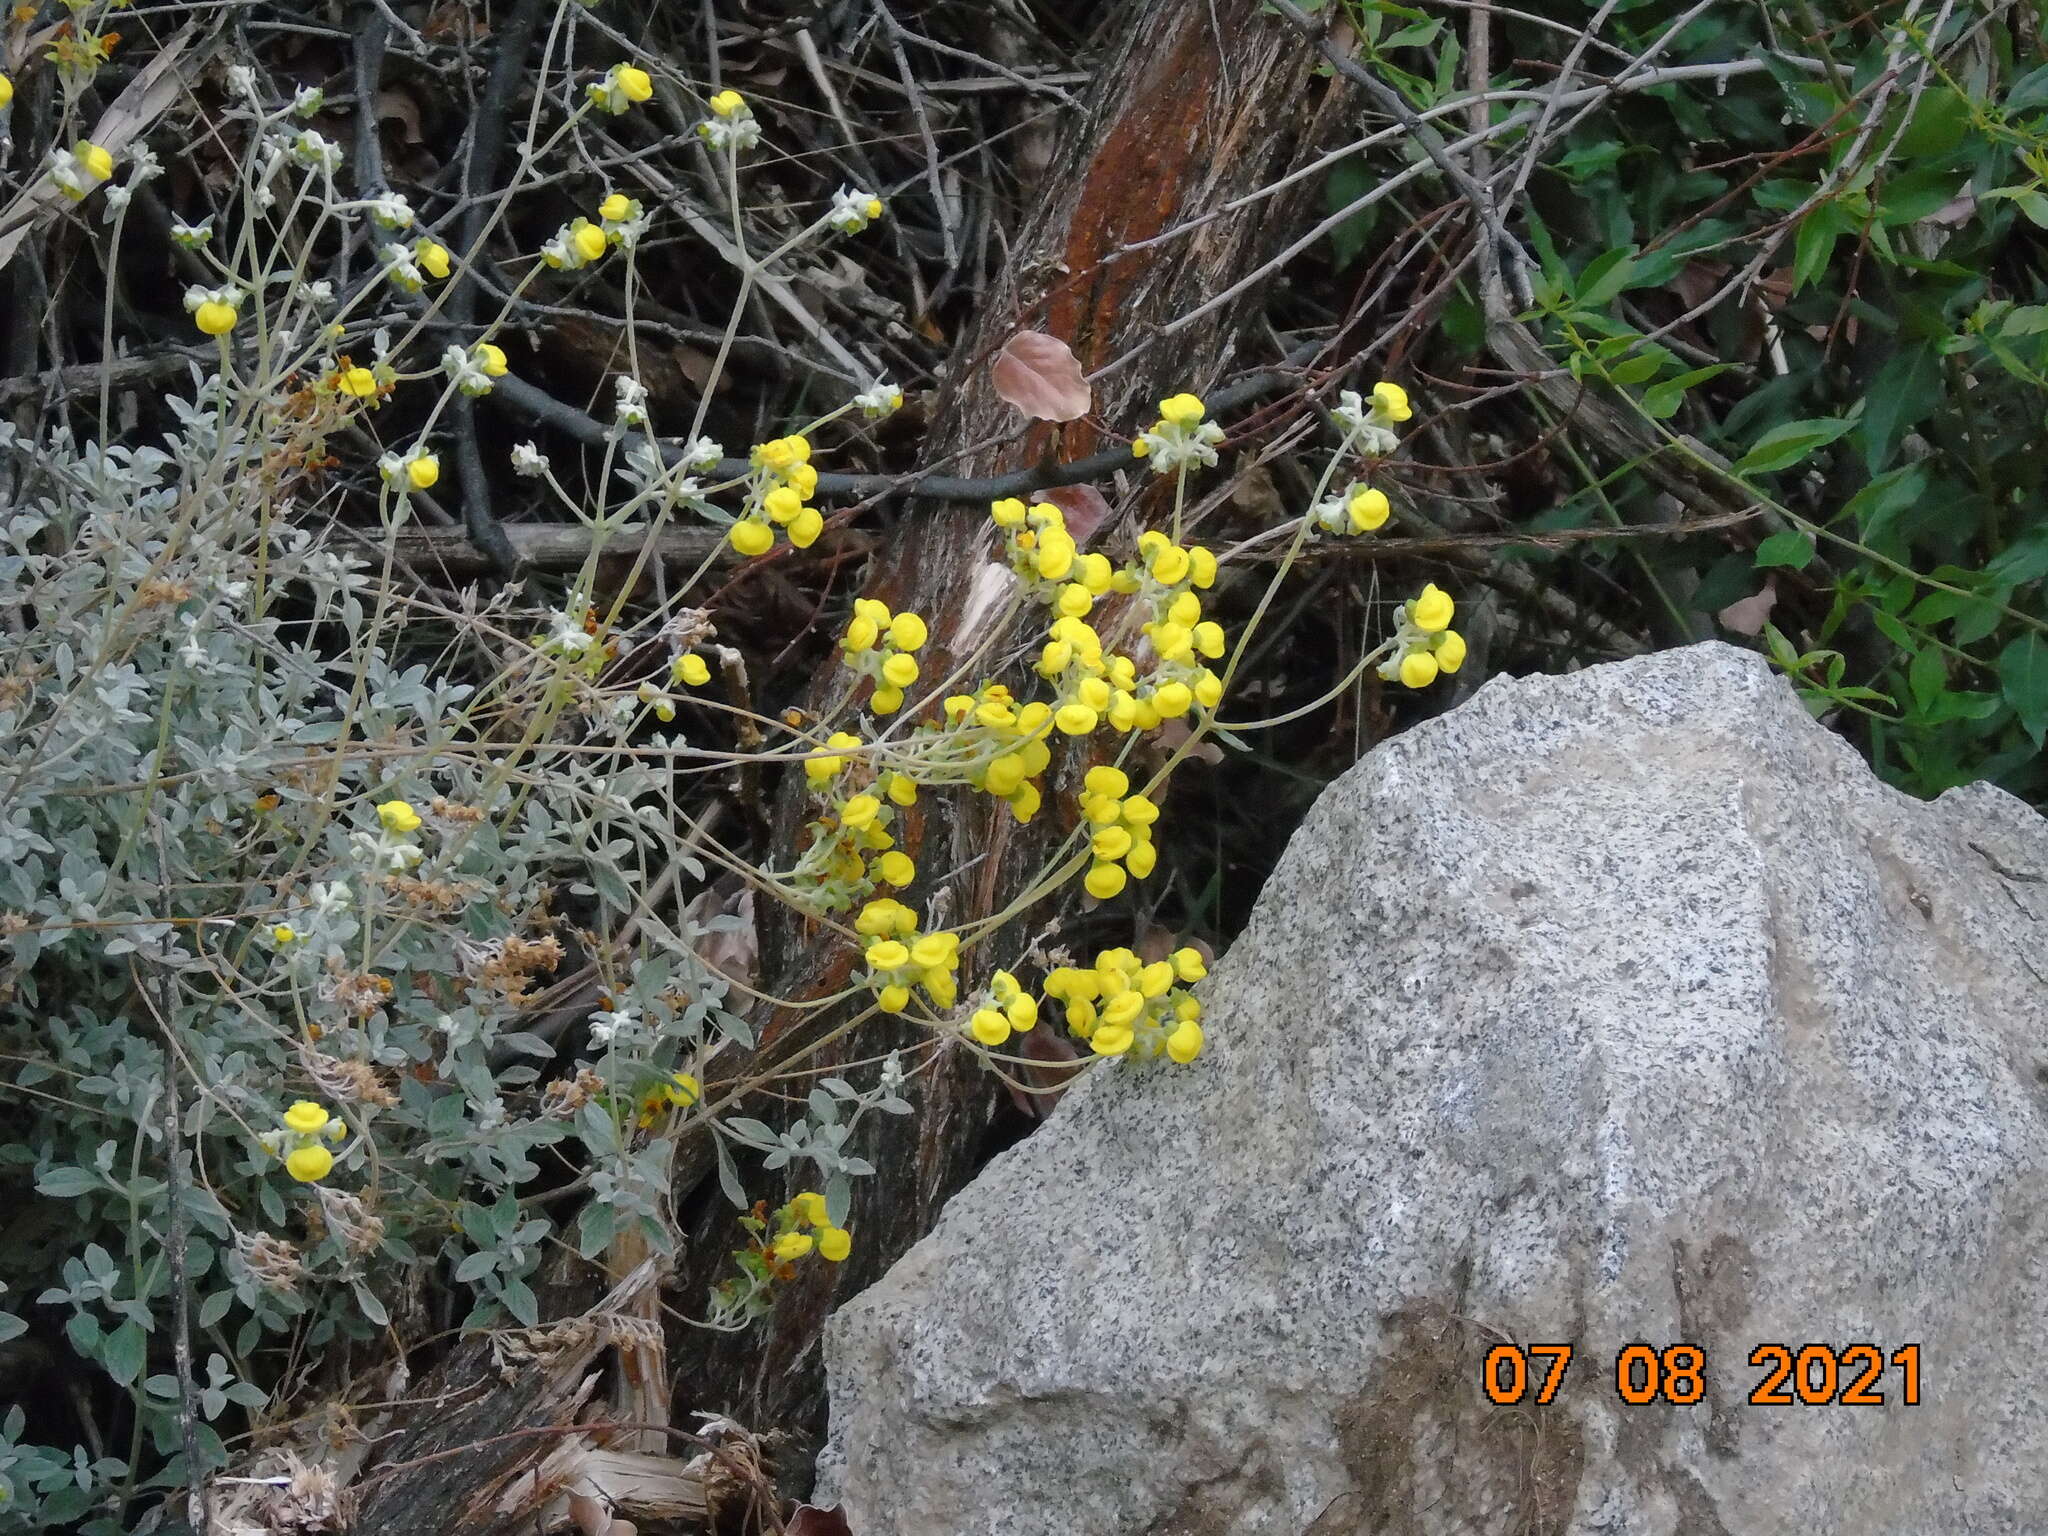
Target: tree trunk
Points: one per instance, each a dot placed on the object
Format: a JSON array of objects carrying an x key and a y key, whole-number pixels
[{"x": 1195, "y": 106}]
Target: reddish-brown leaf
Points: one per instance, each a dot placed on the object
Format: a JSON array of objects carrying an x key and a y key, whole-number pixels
[{"x": 1039, "y": 375}]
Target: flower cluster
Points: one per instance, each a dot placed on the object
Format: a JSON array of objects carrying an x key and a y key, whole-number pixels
[
  {"x": 1122, "y": 1005},
  {"x": 1358, "y": 508},
  {"x": 779, "y": 488},
  {"x": 391, "y": 848},
  {"x": 1046, "y": 558},
  {"x": 301, "y": 1140},
  {"x": 408, "y": 268},
  {"x": 679, "y": 1090},
  {"x": 1120, "y": 830},
  {"x": 853, "y": 211},
  {"x": 1424, "y": 643},
  {"x": 79, "y": 169},
  {"x": 1180, "y": 436},
  {"x": 803, "y": 1227},
  {"x": 899, "y": 957},
  {"x": 731, "y": 125},
  {"x": 623, "y": 219},
  {"x": 998, "y": 746},
  {"x": 852, "y": 847},
  {"x": 1373, "y": 426},
  {"x": 623, "y": 87},
  {"x": 214, "y": 310},
  {"x": 415, "y": 470},
  {"x": 1005, "y": 1008},
  {"x": 475, "y": 368},
  {"x": 576, "y": 244},
  {"x": 878, "y": 400},
  {"x": 1096, "y": 683},
  {"x": 878, "y": 645}
]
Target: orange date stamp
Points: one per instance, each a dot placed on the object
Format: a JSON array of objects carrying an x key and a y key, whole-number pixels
[{"x": 1856, "y": 1375}]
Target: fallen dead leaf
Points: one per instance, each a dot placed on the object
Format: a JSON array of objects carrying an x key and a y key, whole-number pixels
[
  {"x": 1040, "y": 375},
  {"x": 1747, "y": 616}
]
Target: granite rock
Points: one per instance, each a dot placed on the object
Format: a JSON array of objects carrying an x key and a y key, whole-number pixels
[{"x": 1611, "y": 1008}]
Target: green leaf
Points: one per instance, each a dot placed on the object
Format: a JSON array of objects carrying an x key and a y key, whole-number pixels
[
  {"x": 520, "y": 1301},
  {"x": 1789, "y": 442},
  {"x": 1789, "y": 548},
  {"x": 1662, "y": 400},
  {"x": 1905, "y": 390},
  {"x": 594, "y": 1228},
  {"x": 373, "y": 1309},
  {"x": 127, "y": 1347},
  {"x": 1605, "y": 276},
  {"x": 2024, "y": 560},
  {"x": 69, "y": 1183},
  {"x": 1939, "y": 122},
  {"x": 2023, "y": 678},
  {"x": 1927, "y": 676},
  {"x": 1818, "y": 232},
  {"x": 1909, "y": 198},
  {"x": 1418, "y": 35}
]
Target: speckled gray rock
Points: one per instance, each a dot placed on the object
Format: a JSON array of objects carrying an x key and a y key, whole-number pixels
[{"x": 1623, "y": 1006}]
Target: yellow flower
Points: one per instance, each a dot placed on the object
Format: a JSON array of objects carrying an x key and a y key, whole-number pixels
[
  {"x": 422, "y": 470},
  {"x": 306, "y": 1118},
  {"x": 616, "y": 207},
  {"x": 809, "y": 1209},
  {"x": 1431, "y": 611},
  {"x": 804, "y": 531},
  {"x": 284, "y": 933},
  {"x": 819, "y": 769},
  {"x": 6, "y": 92},
  {"x": 725, "y": 103},
  {"x": 682, "y": 1090},
  {"x": 309, "y": 1165},
  {"x": 692, "y": 670},
  {"x": 834, "y": 1244},
  {"x": 989, "y": 1027},
  {"x": 398, "y": 816},
  {"x": 793, "y": 1245},
  {"x": 1368, "y": 510},
  {"x": 782, "y": 454},
  {"x": 1391, "y": 401},
  {"x": 1112, "y": 1039},
  {"x": 588, "y": 238},
  {"x": 1418, "y": 669},
  {"x": 900, "y": 670},
  {"x": 492, "y": 358},
  {"x": 432, "y": 256},
  {"x": 94, "y": 159},
  {"x": 1182, "y": 410},
  {"x": 214, "y": 317},
  {"x": 1105, "y": 880},
  {"x": 359, "y": 382},
  {"x": 1450, "y": 651},
  {"x": 907, "y": 632},
  {"x": 1185, "y": 1043},
  {"x": 752, "y": 537},
  {"x": 874, "y": 207},
  {"x": 634, "y": 82}
]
